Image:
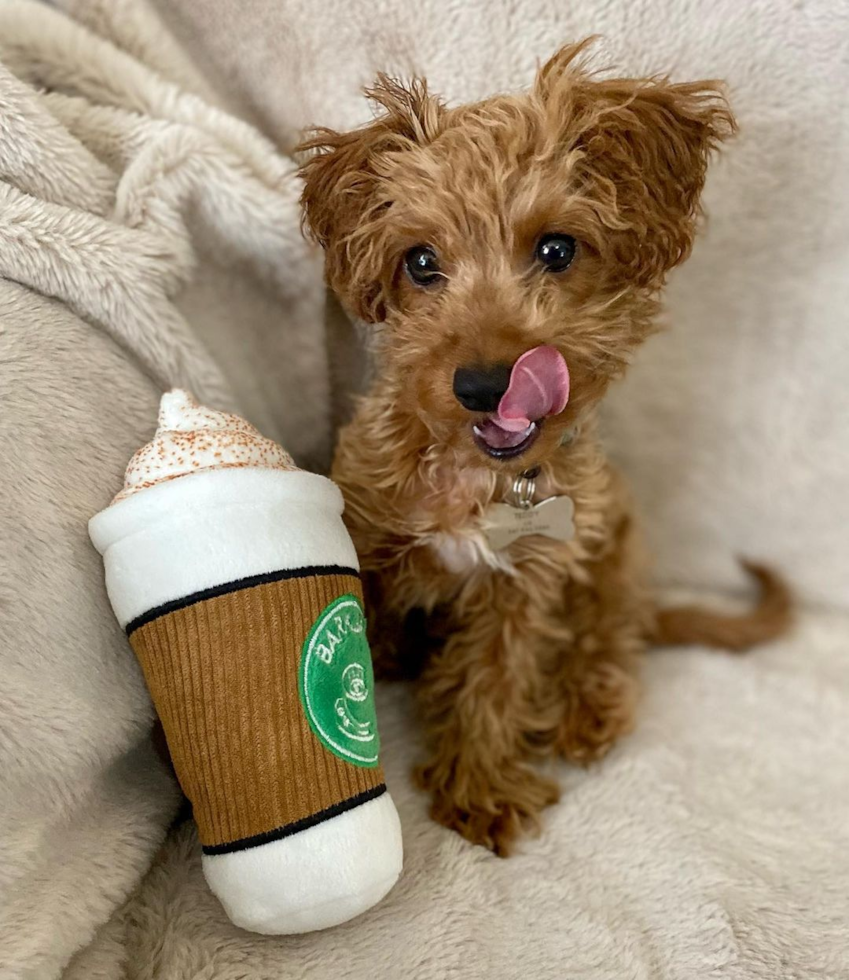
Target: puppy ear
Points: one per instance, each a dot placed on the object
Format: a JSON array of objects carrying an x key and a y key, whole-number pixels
[
  {"x": 346, "y": 198},
  {"x": 563, "y": 69},
  {"x": 643, "y": 149}
]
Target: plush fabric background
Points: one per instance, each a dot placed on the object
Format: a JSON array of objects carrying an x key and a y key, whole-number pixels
[
  {"x": 142, "y": 243},
  {"x": 710, "y": 844},
  {"x": 734, "y": 426}
]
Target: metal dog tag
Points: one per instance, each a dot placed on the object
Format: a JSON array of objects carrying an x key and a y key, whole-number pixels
[{"x": 504, "y": 523}]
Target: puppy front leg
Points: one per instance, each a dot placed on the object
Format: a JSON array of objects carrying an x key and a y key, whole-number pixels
[
  {"x": 598, "y": 673},
  {"x": 479, "y": 696}
]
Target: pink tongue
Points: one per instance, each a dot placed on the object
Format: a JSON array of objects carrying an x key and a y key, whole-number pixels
[{"x": 539, "y": 386}]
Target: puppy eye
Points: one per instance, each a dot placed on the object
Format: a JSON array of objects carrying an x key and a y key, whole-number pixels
[
  {"x": 555, "y": 252},
  {"x": 422, "y": 265}
]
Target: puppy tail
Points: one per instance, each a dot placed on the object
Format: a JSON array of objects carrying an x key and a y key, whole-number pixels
[{"x": 771, "y": 617}]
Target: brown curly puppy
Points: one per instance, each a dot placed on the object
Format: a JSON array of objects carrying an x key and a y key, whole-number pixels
[{"x": 546, "y": 223}]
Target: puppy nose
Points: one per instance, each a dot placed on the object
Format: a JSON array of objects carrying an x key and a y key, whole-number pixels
[{"x": 480, "y": 389}]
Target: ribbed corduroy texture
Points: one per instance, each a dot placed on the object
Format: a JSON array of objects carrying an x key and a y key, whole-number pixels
[{"x": 223, "y": 675}]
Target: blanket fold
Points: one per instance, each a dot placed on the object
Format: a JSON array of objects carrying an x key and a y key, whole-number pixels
[
  {"x": 147, "y": 239},
  {"x": 120, "y": 188}
]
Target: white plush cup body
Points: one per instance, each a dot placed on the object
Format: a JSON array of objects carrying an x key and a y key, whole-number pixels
[{"x": 192, "y": 535}]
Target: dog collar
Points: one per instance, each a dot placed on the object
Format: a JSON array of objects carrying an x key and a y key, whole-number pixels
[{"x": 569, "y": 436}]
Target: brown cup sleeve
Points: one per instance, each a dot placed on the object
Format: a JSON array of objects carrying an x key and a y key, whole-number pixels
[{"x": 223, "y": 672}]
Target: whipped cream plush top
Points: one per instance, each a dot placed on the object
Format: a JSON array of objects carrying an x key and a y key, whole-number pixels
[{"x": 190, "y": 438}]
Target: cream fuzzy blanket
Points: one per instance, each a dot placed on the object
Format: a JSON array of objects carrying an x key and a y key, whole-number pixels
[
  {"x": 149, "y": 237},
  {"x": 146, "y": 239}
]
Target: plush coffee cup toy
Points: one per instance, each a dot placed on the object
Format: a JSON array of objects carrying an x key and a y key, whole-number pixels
[{"x": 237, "y": 584}]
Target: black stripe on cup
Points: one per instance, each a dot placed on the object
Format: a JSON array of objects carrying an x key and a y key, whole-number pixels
[
  {"x": 295, "y": 828},
  {"x": 235, "y": 586}
]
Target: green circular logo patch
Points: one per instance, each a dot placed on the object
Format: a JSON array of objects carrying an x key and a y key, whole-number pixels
[{"x": 336, "y": 683}]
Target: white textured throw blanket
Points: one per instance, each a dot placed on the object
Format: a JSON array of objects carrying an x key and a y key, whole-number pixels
[{"x": 149, "y": 237}]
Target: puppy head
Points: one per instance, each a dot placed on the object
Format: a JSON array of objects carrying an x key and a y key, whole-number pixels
[{"x": 476, "y": 234}]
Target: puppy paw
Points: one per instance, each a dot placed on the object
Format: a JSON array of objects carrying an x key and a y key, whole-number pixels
[
  {"x": 494, "y": 814},
  {"x": 598, "y": 711}
]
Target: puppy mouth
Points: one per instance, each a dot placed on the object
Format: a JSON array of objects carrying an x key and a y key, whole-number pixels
[{"x": 499, "y": 443}]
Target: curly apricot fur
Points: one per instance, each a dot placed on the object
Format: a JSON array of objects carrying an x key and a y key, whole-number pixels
[{"x": 533, "y": 651}]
